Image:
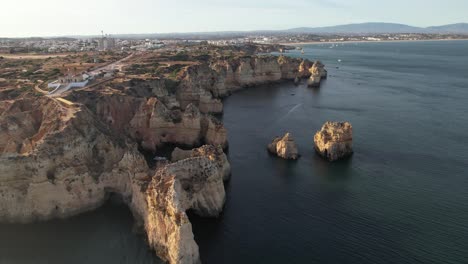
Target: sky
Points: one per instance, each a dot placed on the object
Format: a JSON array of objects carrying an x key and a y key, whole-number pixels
[{"x": 26, "y": 18}]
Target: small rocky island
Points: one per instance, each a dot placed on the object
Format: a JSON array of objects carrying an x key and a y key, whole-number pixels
[
  {"x": 284, "y": 147},
  {"x": 317, "y": 74},
  {"x": 335, "y": 140}
]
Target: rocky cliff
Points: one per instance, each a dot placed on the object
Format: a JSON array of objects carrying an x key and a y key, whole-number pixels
[
  {"x": 194, "y": 183},
  {"x": 284, "y": 147},
  {"x": 150, "y": 122},
  {"x": 60, "y": 157},
  {"x": 317, "y": 74},
  {"x": 203, "y": 85},
  {"x": 335, "y": 140},
  {"x": 58, "y": 160}
]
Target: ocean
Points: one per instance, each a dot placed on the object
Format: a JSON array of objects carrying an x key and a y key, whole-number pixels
[{"x": 401, "y": 198}]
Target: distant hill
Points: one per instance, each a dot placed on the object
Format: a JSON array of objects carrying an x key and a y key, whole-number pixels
[
  {"x": 376, "y": 27},
  {"x": 452, "y": 28}
]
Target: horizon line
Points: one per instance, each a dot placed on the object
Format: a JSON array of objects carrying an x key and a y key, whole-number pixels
[{"x": 228, "y": 31}]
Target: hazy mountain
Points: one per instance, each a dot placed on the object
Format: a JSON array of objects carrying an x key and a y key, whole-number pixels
[
  {"x": 452, "y": 28},
  {"x": 383, "y": 28}
]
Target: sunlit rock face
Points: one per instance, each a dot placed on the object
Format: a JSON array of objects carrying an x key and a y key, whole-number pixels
[
  {"x": 209, "y": 151},
  {"x": 195, "y": 182},
  {"x": 335, "y": 140},
  {"x": 317, "y": 74},
  {"x": 57, "y": 161},
  {"x": 284, "y": 147},
  {"x": 203, "y": 85}
]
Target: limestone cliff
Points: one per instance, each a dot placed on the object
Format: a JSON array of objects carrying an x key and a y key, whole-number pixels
[
  {"x": 61, "y": 157},
  {"x": 317, "y": 74},
  {"x": 194, "y": 183},
  {"x": 284, "y": 147},
  {"x": 58, "y": 160},
  {"x": 335, "y": 140},
  {"x": 150, "y": 122},
  {"x": 213, "y": 153},
  {"x": 203, "y": 85}
]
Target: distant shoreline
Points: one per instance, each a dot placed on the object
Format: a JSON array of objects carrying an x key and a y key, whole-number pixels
[{"x": 364, "y": 41}]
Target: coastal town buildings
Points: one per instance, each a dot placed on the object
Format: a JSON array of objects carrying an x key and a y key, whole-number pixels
[{"x": 106, "y": 43}]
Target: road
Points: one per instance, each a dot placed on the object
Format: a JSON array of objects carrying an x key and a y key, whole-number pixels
[{"x": 118, "y": 65}]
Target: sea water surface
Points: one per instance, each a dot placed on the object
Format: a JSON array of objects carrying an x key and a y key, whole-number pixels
[{"x": 401, "y": 198}]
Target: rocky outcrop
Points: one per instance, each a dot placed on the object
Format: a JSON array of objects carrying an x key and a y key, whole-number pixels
[
  {"x": 203, "y": 85},
  {"x": 57, "y": 160},
  {"x": 213, "y": 153},
  {"x": 284, "y": 147},
  {"x": 154, "y": 125},
  {"x": 317, "y": 74},
  {"x": 151, "y": 123},
  {"x": 194, "y": 183},
  {"x": 321, "y": 69},
  {"x": 335, "y": 140}
]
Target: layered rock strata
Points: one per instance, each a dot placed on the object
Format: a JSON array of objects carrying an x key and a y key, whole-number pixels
[
  {"x": 57, "y": 161},
  {"x": 203, "y": 85},
  {"x": 284, "y": 147},
  {"x": 317, "y": 74},
  {"x": 214, "y": 153},
  {"x": 151, "y": 123},
  {"x": 194, "y": 183},
  {"x": 58, "y": 158},
  {"x": 334, "y": 141}
]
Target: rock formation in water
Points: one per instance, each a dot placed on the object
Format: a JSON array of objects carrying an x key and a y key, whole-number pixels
[
  {"x": 214, "y": 153},
  {"x": 194, "y": 183},
  {"x": 59, "y": 158},
  {"x": 284, "y": 147},
  {"x": 317, "y": 74},
  {"x": 335, "y": 140},
  {"x": 204, "y": 85}
]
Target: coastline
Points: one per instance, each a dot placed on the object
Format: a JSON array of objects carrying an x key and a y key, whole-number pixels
[{"x": 365, "y": 41}]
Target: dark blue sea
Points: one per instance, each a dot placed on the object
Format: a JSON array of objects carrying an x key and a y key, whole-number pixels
[{"x": 401, "y": 198}]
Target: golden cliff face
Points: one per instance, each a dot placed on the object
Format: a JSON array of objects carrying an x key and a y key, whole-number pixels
[
  {"x": 284, "y": 147},
  {"x": 149, "y": 122},
  {"x": 335, "y": 140},
  {"x": 203, "y": 85},
  {"x": 62, "y": 157},
  {"x": 57, "y": 161}
]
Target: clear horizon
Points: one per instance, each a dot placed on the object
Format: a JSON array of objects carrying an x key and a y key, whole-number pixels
[{"x": 28, "y": 18}]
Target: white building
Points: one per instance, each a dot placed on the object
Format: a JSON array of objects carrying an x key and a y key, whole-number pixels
[{"x": 106, "y": 43}]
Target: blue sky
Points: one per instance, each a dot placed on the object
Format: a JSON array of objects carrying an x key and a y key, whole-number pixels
[{"x": 61, "y": 17}]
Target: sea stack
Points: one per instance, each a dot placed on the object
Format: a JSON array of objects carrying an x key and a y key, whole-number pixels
[
  {"x": 317, "y": 74},
  {"x": 321, "y": 68},
  {"x": 284, "y": 147},
  {"x": 335, "y": 140}
]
